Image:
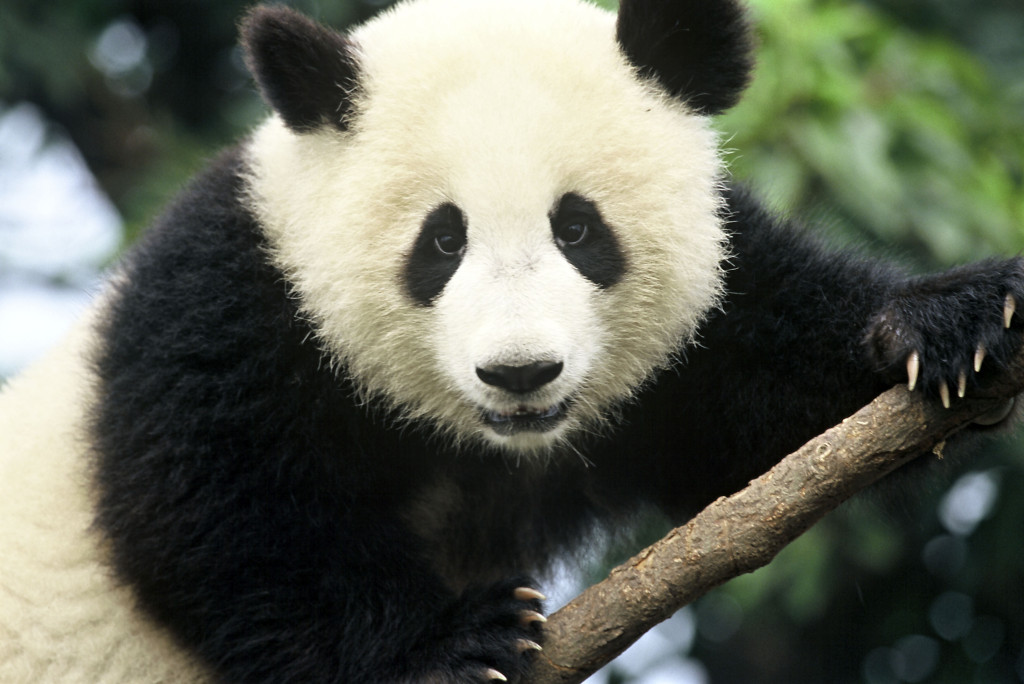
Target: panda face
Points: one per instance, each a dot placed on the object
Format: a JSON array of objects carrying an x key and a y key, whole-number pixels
[
  {"x": 515, "y": 230},
  {"x": 518, "y": 331}
]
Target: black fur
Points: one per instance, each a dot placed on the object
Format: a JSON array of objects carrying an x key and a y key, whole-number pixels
[
  {"x": 266, "y": 517},
  {"x": 593, "y": 249},
  {"x": 305, "y": 71},
  {"x": 436, "y": 255},
  {"x": 960, "y": 299},
  {"x": 699, "y": 50},
  {"x": 235, "y": 503}
]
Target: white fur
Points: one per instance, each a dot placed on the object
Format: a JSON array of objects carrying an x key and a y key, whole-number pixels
[
  {"x": 62, "y": 617},
  {"x": 500, "y": 106}
]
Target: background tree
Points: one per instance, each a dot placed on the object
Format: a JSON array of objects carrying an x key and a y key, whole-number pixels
[{"x": 896, "y": 125}]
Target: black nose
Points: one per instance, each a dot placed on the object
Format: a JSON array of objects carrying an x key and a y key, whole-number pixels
[{"x": 521, "y": 379}]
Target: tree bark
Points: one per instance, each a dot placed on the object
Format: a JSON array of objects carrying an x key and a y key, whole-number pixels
[{"x": 742, "y": 532}]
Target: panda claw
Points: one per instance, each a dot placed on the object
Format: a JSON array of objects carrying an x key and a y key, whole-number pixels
[
  {"x": 913, "y": 367},
  {"x": 1009, "y": 306},
  {"x": 979, "y": 356},
  {"x": 523, "y": 645},
  {"x": 944, "y": 393},
  {"x": 528, "y": 594},
  {"x": 528, "y": 617},
  {"x": 961, "y": 384},
  {"x": 492, "y": 675}
]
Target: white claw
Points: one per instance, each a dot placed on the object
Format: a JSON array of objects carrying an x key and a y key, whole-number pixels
[
  {"x": 528, "y": 617},
  {"x": 528, "y": 594},
  {"x": 1009, "y": 306},
  {"x": 944, "y": 393},
  {"x": 913, "y": 366},
  {"x": 961, "y": 384},
  {"x": 523, "y": 645},
  {"x": 979, "y": 356},
  {"x": 493, "y": 675}
]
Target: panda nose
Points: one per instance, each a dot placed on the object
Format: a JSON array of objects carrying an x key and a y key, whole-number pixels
[{"x": 521, "y": 379}]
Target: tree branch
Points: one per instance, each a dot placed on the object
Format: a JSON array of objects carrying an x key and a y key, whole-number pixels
[{"x": 743, "y": 532}]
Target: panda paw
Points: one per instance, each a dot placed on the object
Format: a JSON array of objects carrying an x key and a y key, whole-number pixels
[
  {"x": 941, "y": 333},
  {"x": 490, "y": 635}
]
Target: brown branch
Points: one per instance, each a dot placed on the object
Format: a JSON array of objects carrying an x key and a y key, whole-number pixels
[{"x": 743, "y": 532}]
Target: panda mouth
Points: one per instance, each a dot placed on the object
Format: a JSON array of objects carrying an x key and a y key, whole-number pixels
[{"x": 526, "y": 419}]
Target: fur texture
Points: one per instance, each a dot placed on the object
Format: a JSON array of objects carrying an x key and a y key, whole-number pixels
[
  {"x": 368, "y": 376},
  {"x": 504, "y": 142},
  {"x": 306, "y": 72},
  {"x": 700, "y": 51},
  {"x": 63, "y": 617}
]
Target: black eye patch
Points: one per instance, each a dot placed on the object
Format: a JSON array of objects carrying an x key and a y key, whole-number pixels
[
  {"x": 586, "y": 241},
  {"x": 436, "y": 254}
]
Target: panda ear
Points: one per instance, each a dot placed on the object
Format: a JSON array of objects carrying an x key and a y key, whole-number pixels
[
  {"x": 698, "y": 50},
  {"x": 305, "y": 71}
]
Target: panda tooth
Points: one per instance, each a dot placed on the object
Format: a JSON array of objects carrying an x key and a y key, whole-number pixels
[
  {"x": 524, "y": 415},
  {"x": 913, "y": 366},
  {"x": 1009, "y": 306}
]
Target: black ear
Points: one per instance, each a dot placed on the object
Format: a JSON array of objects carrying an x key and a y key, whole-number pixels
[
  {"x": 305, "y": 71},
  {"x": 698, "y": 50}
]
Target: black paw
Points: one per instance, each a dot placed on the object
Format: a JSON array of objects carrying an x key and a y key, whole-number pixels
[
  {"x": 490, "y": 634},
  {"x": 942, "y": 333}
]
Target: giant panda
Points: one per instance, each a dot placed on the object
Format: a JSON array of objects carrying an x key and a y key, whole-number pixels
[{"x": 478, "y": 290}]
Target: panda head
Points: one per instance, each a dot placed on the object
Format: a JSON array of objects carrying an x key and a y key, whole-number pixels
[{"x": 501, "y": 217}]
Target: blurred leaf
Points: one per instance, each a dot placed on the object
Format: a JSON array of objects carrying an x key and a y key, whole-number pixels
[{"x": 903, "y": 138}]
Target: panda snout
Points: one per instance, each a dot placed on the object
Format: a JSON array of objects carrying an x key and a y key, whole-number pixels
[{"x": 520, "y": 379}]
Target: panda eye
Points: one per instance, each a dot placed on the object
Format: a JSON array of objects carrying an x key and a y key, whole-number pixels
[
  {"x": 586, "y": 241},
  {"x": 572, "y": 234},
  {"x": 450, "y": 244},
  {"x": 436, "y": 254}
]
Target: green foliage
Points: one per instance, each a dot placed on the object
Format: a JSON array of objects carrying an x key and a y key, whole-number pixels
[{"x": 892, "y": 135}]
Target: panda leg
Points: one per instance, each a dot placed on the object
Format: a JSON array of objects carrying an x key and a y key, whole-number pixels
[{"x": 376, "y": 614}]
